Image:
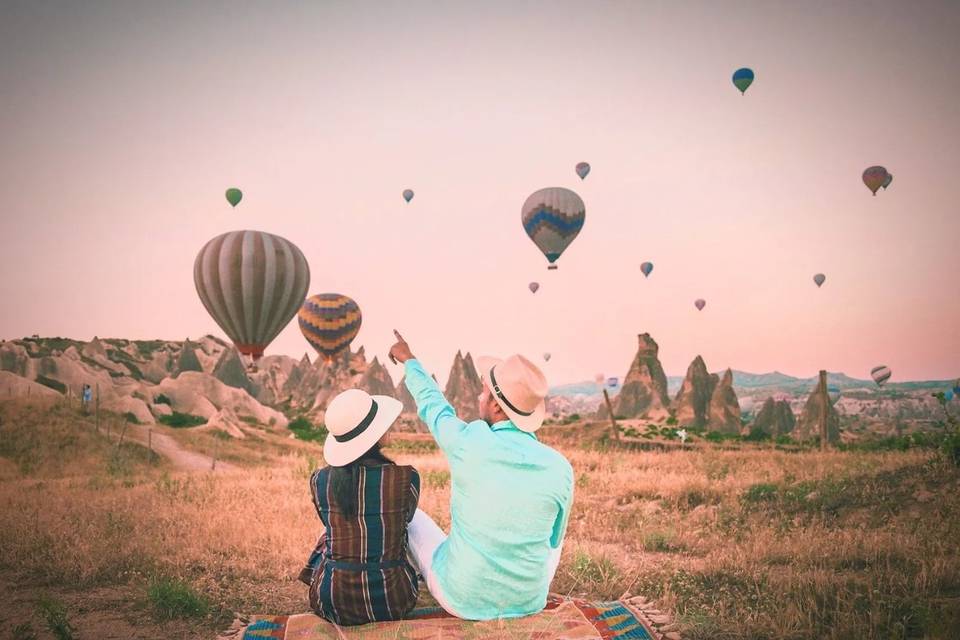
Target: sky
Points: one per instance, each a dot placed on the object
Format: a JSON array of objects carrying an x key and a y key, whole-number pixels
[{"x": 122, "y": 124}]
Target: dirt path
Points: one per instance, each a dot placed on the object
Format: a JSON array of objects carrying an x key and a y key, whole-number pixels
[{"x": 169, "y": 448}]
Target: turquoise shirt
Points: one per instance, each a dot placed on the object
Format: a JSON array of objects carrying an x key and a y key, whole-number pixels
[{"x": 510, "y": 500}]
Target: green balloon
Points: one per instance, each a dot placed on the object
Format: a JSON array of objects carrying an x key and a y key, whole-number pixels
[{"x": 234, "y": 196}]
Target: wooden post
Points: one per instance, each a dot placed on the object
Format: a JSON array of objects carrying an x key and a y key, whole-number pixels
[
  {"x": 613, "y": 420},
  {"x": 150, "y": 440},
  {"x": 822, "y": 390},
  {"x": 98, "y": 411},
  {"x": 216, "y": 449},
  {"x": 122, "y": 433},
  {"x": 108, "y": 428}
]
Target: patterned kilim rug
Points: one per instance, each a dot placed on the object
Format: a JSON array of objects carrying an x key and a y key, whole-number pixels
[{"x": 566, "y": 618}]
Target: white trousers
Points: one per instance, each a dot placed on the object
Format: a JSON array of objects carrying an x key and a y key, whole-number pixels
[{"x": 423, "y": 538}]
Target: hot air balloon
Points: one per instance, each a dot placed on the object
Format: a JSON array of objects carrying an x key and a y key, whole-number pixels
[
  {"x": 881, "y": 374},
  {"x": 886, "y": 183},
  {"x": 956, "y": 387},
  {"x": 546, "y": 357},
  {"x": 234, "y": 196},
  {"x": 743, "y": 78},
  {"x": 552, "y": 218},
  {"x": 612, "y": 382},
  {"x": 583, "y": 169},
  {"x": 646, "y": 267},
  {"x": 329, "y": 322},
  {"x": 252, "y": 283},
  {"x": 874, "y": 177},
  {"x": 408, "y": 194},
  {"x": 819, "y": 279},
  {"x": 534, "y": 286},
  {"x": 700, "y": 304}
]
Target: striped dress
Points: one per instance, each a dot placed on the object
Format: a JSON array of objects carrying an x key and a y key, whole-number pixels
[{"x": 359, "y": 571}]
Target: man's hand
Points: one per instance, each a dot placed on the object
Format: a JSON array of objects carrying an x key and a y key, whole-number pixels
[{"x": 400, "y": 352}]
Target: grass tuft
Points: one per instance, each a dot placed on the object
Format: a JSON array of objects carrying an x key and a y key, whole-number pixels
[{"x": 173, "y": 598}]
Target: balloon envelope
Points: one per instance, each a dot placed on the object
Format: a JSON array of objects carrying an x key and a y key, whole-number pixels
[
  {"x": 819, "y": 279},
  {"x": 743, "y": 78},
  {"x": 880, "y": 374},
  {"x": 612, "y": 382},
  {"x": 408, "y": 194},
  {"x": 546, "y": 357},
  {"x": 534, "y": 286},
  {"x": 552, "y": 218},
  {"x": 700, "y": 304},
  {"x": 887, "y": 181},
  {"x": 874, "y": 177},
  {"x": 583, "y": 169},
  {"x": 251, "y": 283},
  {"x": 956, "y": 387},
  {"x": 234, "y": 196},
  {"x": 329, "y": 322},
  {"x": 646, "y": 267}
]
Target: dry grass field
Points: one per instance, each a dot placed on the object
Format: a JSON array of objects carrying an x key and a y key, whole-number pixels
[{"x": 100, "y": 541}]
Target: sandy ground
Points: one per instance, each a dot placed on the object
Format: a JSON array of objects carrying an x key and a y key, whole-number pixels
[{"x": 181, "y": 458}]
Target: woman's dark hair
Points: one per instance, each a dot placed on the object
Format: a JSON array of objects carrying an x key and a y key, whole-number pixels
[{"x": 345, "y": 481}]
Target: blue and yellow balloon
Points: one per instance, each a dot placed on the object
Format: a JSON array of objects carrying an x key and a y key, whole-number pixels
[
  {"x": 329, "y": 322},
  {"x": 742, "y": 79}
]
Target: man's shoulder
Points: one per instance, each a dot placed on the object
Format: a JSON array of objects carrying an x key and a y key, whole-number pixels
[{"x": 558, "y": 460}]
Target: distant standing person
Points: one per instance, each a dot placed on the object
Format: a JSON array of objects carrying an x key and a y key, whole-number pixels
[
  {"x": 85, "y": 397},
  {"x": 510, "y": 494}
]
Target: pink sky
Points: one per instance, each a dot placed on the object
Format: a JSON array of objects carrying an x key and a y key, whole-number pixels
[{"x": 123, "y": 125}]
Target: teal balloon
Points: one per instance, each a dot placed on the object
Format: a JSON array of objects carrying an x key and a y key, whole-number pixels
[
  {"x": 948, "y": 395},
  {"x": 743, "y": 78},
  {"x": 646, "y": 268},
  {"x": 234, "y": 196}
]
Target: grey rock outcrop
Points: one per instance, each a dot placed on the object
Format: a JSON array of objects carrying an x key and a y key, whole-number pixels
[
  {"x": 463, "y": 387},
  {"x": 775, "y": 418},
  {"x": 724, "y": 412},
  {"x": 231, "y": 371},
  {"x": 644, "y": 391},
  {"x": 692, "y": 403}
]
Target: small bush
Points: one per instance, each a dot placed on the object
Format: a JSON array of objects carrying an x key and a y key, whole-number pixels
[
  {"x": 757, "y": 435},
  {"x": 763, "y": 492},
  {"x": 56, "y": 385},
  {"x": 130, "y": 417},
  {"x": 162, "y": 399},
  {"x": 179, "y": 420},
  {"x": 303, "y": 429},
  {"x": 659, "y": 541},
  {"x": 435, "y": 479},
  {"x": 24, "y": 631},
  {"x": 172, "y": 598},
  {"x": 55, "y": 616}
]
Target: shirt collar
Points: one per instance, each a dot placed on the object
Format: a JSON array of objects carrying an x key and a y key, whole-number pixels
[{"x": 505, "y": 425}]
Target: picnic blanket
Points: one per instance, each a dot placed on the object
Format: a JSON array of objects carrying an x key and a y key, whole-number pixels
[{"x": 567, "y": 618}]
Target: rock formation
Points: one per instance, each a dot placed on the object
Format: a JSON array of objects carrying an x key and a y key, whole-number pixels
[
  {"x": 775, "y": 418},
  {"x": 724, "y": 412},
  {"x": 403, "y": 395},
  {"x": 692, "y": 403},
  {"x": 644, "y": 391},
  {"x": 376, "y": 380},
  {"x": 231, "y": 371},
  {"x": 818, "y": 403},
  {"x": 464, "y": 387},
  {"x": 203, "y": 395},
  {"x": 188, "y": 360}
]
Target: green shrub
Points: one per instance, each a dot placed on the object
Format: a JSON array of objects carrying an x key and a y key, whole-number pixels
[
  {"x": 762, "y": 492},
  {"x": 56, "y": 385},
  {"x": 130, "y": 417},
  {"x": 179, "y": 420},
  {"x": 172, "y": 598},
  {"x": 303, "y": 429},
  {"x": 24, "y": 631},
  {"x": 54, "y": 613},
  {"x": 162, "y": 399},
  {"x": 757, "y": 435}
]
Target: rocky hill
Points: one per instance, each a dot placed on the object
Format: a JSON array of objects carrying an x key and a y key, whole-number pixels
[
  {"x": 644, "y": 391},
  {"x": 775, "y": 418},
  {"x": 464, "y": 387}
]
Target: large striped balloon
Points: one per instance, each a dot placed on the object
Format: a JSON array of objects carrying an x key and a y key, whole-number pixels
[
  {"x": 552, "y": 218},
  {"x": 881, "y": 374},
  {"x": 251, "y": 282},
  {"x": 329, "y": 322}
]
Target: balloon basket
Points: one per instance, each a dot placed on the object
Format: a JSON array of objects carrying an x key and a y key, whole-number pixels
[{"x": 552, "y": 267}]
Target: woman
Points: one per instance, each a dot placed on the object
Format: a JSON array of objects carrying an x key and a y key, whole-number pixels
[{"x": 359, "y": 571}]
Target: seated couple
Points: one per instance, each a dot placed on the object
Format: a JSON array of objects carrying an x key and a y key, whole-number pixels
[{"x": 510, "y": 500}]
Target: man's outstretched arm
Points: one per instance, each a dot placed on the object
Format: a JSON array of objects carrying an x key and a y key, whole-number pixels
[{"x": 432, "y": 406}]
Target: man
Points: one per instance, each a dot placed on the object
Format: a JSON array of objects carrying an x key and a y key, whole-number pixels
[{"x": 510, "y": 495}]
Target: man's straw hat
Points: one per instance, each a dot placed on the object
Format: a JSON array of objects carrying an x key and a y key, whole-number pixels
[
  {"x": 519, "y": 387},
  {"x": 355, "y": 421}
]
